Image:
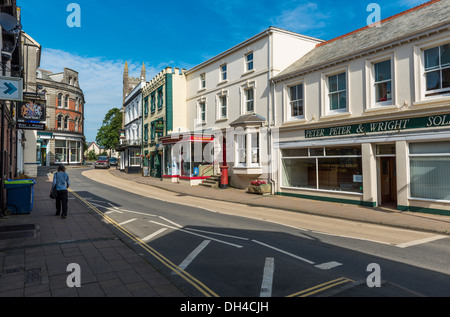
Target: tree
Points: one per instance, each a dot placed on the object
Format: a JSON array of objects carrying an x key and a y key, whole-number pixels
[{"x": 108, "y": 134}]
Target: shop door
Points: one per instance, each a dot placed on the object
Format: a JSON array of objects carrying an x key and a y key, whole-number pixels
[
  {"x": 43, "y": 156},
  {"x": 388, "y": 180}
]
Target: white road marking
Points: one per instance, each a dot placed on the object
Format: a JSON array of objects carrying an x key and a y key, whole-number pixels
[
  {"x": 153, "y": 234},
  {"x": 128, "y": 221},
  {"x": 328, "y": 265},
  {"x": 218, "y": 234},
  {"x": 287, "y": 253},
  {"x": 196, "y": 234},
  {"x": 420, "y": 241},
  {"x": 193, "y": 255},
  {"x": 169, "y": 221},
  {"x": 266, "y": 286}
]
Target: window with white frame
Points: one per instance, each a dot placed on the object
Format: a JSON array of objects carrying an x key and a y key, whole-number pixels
[
  {"x": 382, "y": 73},
  {"x": 296, "y": 103},
  {"x": 66, "y": 123},
  {"x": 249, "y": 61},
  {"x": 250, "y": 99},
  {"x": 223, "y": 72},
  {"x": 59, "y": 122},
  {"x": 241, "y": 146},
  {"x": 202, "y": 81},
  {"x": 222, "y": 107},
  {"x": 437, "y": 70},
  {"x": 337, "y": 92},
  {"x": 60, "y": 97},
  {"x": 66, "y": 101},
  {"x": 202, "y": 112},
  {"x": 254, "y": 148}
]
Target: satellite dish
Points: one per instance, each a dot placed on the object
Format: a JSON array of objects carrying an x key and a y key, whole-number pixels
[{"x": 8, "y": 22}]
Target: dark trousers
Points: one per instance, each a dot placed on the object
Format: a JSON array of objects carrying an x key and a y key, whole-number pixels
[{"x": 61, "y": 201}]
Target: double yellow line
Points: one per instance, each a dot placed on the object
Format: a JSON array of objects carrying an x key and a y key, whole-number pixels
[
  {"x": 321, "y": 287},
  {"x": 185, "y": 275}
]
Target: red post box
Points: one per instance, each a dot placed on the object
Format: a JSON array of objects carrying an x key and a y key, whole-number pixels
[{"x": 224, "y": 177}]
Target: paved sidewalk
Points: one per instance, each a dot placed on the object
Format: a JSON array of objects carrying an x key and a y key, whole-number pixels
[
  {"x": 36, "y": 266},
  {"x": 385, "y": 216}
]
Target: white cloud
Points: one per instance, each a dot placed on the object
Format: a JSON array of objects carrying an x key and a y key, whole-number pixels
[
  {"x": 304, "y": 17},
  {"x": 100, "y": 79}
]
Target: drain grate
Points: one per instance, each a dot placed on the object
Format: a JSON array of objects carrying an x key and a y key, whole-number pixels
[{"x": 17, "y": 231}]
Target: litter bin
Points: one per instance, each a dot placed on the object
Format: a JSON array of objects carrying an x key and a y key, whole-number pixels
[{"x": 20, "y": 195}]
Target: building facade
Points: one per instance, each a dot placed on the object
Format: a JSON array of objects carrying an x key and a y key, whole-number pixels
[
  {"x": 164, "y": 98},
  {"x": 130, "y": 145},
  {"x": 63, "y": 140},
  {"x": 365, "y": 118},
  {"x": 229, "y": 103}
]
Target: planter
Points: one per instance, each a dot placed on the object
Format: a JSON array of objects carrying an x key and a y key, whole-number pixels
[{"x": 265, "y": 189}]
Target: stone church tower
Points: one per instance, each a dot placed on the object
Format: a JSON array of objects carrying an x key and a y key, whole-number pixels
[{"x": 129, "y": 83}]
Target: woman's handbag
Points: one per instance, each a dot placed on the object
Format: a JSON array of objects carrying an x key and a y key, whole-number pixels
[{"x": 53, "y": 193}]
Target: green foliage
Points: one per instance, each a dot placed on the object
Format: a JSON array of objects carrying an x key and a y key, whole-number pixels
[
  {"x": 108, "y": 134},
  {"x": 91, "y": 156}
]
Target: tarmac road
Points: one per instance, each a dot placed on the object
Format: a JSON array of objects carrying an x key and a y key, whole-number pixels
[{"x": 230, "y": 249}]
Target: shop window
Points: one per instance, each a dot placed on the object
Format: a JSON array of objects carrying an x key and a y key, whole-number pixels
[
  {"x": 60, "y": 151},
  {"x": 134, "y": 157},
  {"x": 300, "y": 173},
  {"x": 430, "y": 170},
  {"x": 331, "y": 169}
]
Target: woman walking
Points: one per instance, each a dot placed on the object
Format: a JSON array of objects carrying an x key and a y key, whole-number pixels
[{"x": 61, "y": 184}]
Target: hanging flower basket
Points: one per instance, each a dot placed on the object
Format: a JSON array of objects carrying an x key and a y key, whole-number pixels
[{"x": 259, "y": 187}]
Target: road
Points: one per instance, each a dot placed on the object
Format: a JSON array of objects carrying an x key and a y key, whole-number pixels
[{"x": 217, "y": 249}]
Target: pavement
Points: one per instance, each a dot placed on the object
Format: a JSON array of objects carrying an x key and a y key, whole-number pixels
[{"x": 36, "y": 248}]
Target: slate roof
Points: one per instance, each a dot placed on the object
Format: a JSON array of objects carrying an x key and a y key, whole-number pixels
[
  {"x": 426, "y": 16},
  {"x": 251, "y": 118}
]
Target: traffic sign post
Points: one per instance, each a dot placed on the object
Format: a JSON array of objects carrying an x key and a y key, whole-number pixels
[{"x": 11, "y": 88}]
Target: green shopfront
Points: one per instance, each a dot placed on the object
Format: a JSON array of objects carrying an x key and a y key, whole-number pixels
[{"x": 402, "y": 163}]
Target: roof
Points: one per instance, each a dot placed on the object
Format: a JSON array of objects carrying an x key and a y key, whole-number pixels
[
  {"x": 254, "y": 38},
  {"x": 248, "y": 119},
  {"x": 419, "y": 19}
]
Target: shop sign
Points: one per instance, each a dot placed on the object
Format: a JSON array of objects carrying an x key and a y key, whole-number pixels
[
  {"x": 202, "y": 138},
  {"x": 381, "y": 126},
  {"x": 159, "y": 126},
  {"x": 31, "y": 125},
  {"x": 32, "y": 110}
]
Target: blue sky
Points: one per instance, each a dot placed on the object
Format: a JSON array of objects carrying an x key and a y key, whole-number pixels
[{"x": 178, "y": 33}]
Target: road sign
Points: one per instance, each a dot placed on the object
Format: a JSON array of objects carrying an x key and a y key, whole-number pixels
[{"x": 11, "y": 88}]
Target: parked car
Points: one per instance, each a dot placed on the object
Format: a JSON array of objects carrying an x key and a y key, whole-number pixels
[
  {"x": 113, "y": 161},
  {"x": 102, "y": 162}
]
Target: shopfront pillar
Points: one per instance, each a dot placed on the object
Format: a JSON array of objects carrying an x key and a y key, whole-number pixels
[
  {"x": 369, "y": 164},
  {"x": 401, "y": 150}
]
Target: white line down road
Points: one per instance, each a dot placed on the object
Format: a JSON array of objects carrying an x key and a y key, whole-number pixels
[{"x": 305, "y": 222}]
